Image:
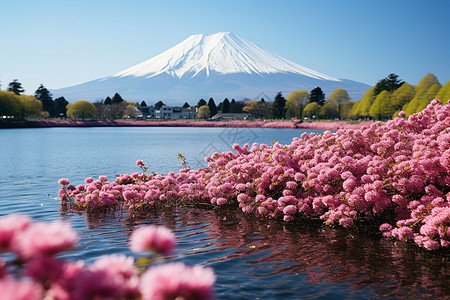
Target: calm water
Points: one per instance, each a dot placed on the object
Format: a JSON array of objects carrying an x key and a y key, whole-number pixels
[{"x": 253, "y": 259}]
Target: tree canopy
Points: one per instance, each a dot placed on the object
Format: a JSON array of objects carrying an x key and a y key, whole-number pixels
[
  {"x": 16, "y": 87},
  {"x": 296, "y": 102},
  {"x": 317, "y": 95},
  {"x": 45, "y": 97},
  {"x": 204, "y": 112},
  {"x": 81, "y": 109},
  {"x": 389, "y": 83},
  {"x": 212, "y": 107},
  {"x": 159, "y": 104},
  {"x": 339, "y": 97},
  {"x": 279, "y": 106}
]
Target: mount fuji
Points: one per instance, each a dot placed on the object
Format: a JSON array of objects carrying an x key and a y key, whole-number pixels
[{"x": 220, "y": 65}]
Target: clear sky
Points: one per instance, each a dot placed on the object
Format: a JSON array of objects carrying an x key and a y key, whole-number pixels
[{"x": 61, "y": 43}]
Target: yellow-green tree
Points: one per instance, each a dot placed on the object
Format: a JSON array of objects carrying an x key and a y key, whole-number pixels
[
  {"x": 366, "y": 103},
  {"x": 29, "y": 106},
  {"x": 130, "y": 110},
  {"x": 329, "y": 110},
  {"x": 346, "y": 111},
  {"x": 356, "y": 110},
  {"x": 9, "y": 104},
  {"x": 380, "y": 108},
  {"x": 403, "y": 95},
  {"x": 81, "y": 109},
  {"x": 296, "y": 102},
  {"x": 312, "y": 110},
  {"x": 431, "y": 94},
  {"x": 204, "y": 112},
  {"x": 424, "y": 94},
  {"x": 339, "y": 97},
  {"x": 444, "y": 93},
  {"x": 258, "y": 109}
]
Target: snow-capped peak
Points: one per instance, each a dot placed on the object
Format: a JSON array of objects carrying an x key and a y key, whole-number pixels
[{"x": 224, "y": 53}]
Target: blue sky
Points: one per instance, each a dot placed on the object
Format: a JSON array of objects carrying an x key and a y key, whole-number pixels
[{"x": 63, "y": 43}]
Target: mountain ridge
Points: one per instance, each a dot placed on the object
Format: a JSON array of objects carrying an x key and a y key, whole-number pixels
[{"x": 202, "y": 66}]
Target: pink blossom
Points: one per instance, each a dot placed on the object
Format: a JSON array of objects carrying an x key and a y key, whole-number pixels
[
  {"x": 140, "y": 163},
  {"x": 44, "y": 239},
  {"x": 221, "y": 201},
  {"x": 64, "y": 181},
  {"x": 12, "y": 289},
  {"x": 10, "y": 227},
  {"x": 152, "y": 238},
  {"x": 177, "y": 281},
  {"x": 290, "y": 209},
  {"x": 346, "y": 222}
]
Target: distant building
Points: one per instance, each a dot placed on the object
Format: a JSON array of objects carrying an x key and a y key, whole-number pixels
[{"x": 168, "y": 112}]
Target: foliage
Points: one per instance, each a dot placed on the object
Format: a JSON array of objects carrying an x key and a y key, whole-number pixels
[
  {"x": 159, "y": 104},
  {"x": 130, "y": 110},
  {"x": 81, "y": 109},
  {"x": 225, "y": 106},
  {"x": 212, "y": 107},
  {"x": 278, "y": 110},
  {"x": 389, "y": 83},
  {"x": 317, "y": 95},
  {"x": 12, "y": 104},
  {"x": 366, "y": 102},
  {"x": 16, "y": 87},
  {"x": 296, "y": 102},
  {"x": 186, "y": 105},
  {"x": 143, "y": 103},
  {"x": 424, "y": 93},
  {"x": 45, "y": 97},
  {"x": 201, "y": 102},
  {"x": 339, "y": 97},
  {"x": 37, "y": 271},
  {"x": 61, "y": 106},
  {"x": 393, "y": 178},
  {"x": 116, "y": 99},
  {"x": 380, "y": 108},
  {"x": 258, "y": 109},
  {"x": 329, "y": 110},
  {"x": 312, "y": 110},
  {"x": 204, "y": 112}
]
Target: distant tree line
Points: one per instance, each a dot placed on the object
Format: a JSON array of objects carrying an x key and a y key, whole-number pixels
[{"x": 382, "y": 102}]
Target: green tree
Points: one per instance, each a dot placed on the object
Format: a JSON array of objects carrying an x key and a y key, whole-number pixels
[
  {"x": 61, "y": 106},
  {"x": 30, "y": 106},
  {"x": 159, "y": 104},
  {"x": 389, "y": 83},
  {"x": 444, "y": 93},
  {"x": 81, "y": 109},
  {"x": 226, "y": 106},
  {"x": 201, "y": 102},
  {"x": 204, "y": 112},
  {"x": 312, "y": 110},
  {"x": 16, "y": 87},
  {"x": 402, "y": 96},
  {"x": 116, "y": 98},
  {"x": 346, "y": 112},
  {"x": 423, "y": 94},
  {"x": 366, "y": 102},
  {"x": 329, "y": 110},
  {"x": 186, "y": 105},
  {"x": 143, "y": 104},
  {"x": 45, "y": 97},
  {"x": 317, "y": 95},
  {"x": 278, "y": 110},
  {"x": 340, "y": 97},
  {"x": 380, "y": 108},
  {"x": 9, "y": 104},
  {"x": 356, "y": 110},
  {"x": 212, "y": 107},
  {"x": 108, "y": 101},
  {"x": 296, "y": 102}
]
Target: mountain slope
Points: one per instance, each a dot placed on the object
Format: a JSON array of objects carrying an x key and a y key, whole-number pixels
[{"x": 203, "y": 66}]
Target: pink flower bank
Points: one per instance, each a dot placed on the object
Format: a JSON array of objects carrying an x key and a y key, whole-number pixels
[{"x": 394, "y": 175}]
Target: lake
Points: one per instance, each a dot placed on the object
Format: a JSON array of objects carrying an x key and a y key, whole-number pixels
[{"x": 252, "y": 258}]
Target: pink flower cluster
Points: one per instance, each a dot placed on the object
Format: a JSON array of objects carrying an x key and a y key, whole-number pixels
[
  {"x": 393, "y": 175},
  {"x": 38, "y": 274}
]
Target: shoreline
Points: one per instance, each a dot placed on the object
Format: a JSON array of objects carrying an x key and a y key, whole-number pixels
[{"x": 232, "y": 123}]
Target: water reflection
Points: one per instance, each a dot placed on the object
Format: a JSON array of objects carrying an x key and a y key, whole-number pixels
[{"x": 268, "y": 259}]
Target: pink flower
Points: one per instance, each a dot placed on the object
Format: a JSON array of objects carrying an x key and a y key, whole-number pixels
[
  {"x": 177, "y": 281},
  {"x": 221, "y": 201},
  {"x": 346, "y": 222},
  {"x": 140, "y": 163},
  {"x": 290, "y": 209},
  {"x": 45, "y": 239},
  {"x": 64, "y": 181},
  {"x": 152, "y": 238},
  {"x": 10, "y": 226},
  {"x": 19, "y": 290}
]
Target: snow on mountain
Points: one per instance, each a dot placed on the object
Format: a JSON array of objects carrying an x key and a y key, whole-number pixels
[
  {"x": 224, "y": 53},
  {"x": 220, "y": 65}
]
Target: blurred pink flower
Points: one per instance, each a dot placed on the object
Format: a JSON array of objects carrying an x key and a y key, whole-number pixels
[
  {"x": 177, "y": 281},
  {"x": 45, "y": 239},
  {"x": 152, "y": 238},
  {"x": 140, "y": 163},
  {"x": 11, "y": 289},
  {"x": 10, "y": 226}
]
